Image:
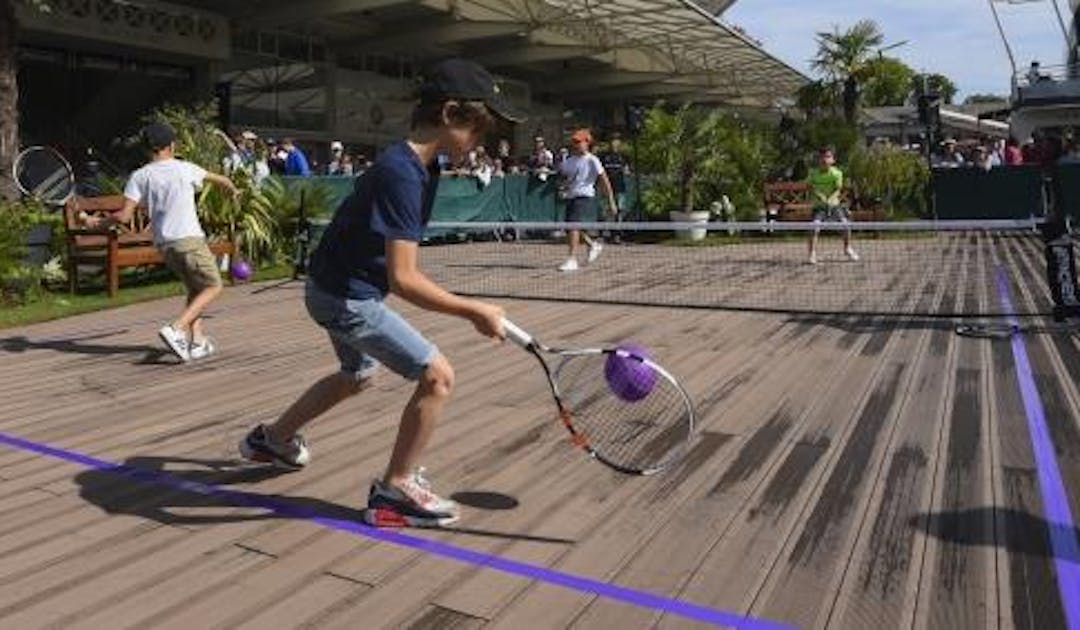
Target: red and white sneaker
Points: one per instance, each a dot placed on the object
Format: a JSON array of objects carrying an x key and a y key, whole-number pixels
[{"x": 409, "y": 504}]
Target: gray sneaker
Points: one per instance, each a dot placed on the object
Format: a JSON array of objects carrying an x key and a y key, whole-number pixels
[
  {"x": 257, "y": 446},
  {"x": 176, "y": 340}
]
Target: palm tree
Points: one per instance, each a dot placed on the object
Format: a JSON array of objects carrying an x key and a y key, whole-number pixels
[
  {"x": 843, "y": 57},
  {"x": 9, "y": 97}
]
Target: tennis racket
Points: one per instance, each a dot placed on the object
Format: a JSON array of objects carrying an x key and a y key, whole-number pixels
[
  {"x": 639, "y": 426},
  {"x": 43, "y": 174}
]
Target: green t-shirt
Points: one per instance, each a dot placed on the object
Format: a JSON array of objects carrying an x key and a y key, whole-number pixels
[{"x": 826, "y": 185}]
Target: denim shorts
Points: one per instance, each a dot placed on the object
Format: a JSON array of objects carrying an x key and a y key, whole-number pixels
[{"x": 366, "y": 333}]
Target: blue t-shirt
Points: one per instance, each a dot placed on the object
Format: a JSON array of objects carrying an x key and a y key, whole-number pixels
[
  {"x": 391, "y": 201},
  {"x": 297, "y": 163}
]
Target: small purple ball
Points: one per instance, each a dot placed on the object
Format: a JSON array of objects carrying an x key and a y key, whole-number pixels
[
  {"x": 241, "y": 270},
  {"x": 630, "y": 379}
]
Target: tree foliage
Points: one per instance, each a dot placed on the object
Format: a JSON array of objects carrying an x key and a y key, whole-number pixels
[
  {"x": 842, "y": 58},
  {"x": 693, "y": 156},
  {"x": 886, "y": 82},
  {"x": 898, "y": 177},
  {"x": 941, "y": 85}
]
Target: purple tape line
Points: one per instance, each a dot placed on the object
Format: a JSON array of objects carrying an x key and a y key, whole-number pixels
[
  {"x": 475, "y": 558},
  {"x": 1055, "y": 502}
]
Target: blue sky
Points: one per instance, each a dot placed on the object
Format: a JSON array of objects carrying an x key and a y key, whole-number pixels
[{"x": 957, "y": 38}]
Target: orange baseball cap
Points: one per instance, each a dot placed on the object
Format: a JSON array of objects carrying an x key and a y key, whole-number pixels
[{"x": 582, "y": 135}]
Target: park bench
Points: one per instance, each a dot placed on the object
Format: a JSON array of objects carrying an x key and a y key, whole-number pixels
[
  {"x": 128, "y": 245},
  {"x": 791, "y": 201}
]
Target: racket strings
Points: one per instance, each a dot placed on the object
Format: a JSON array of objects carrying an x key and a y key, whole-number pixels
[
  {"x": 640, "y": 432},
  {"x": 43, "y": 174}
]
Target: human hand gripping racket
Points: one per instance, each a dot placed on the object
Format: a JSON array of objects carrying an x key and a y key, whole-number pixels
[{"x": 622, "y": 408}]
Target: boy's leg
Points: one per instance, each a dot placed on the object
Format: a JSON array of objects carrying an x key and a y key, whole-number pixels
[
  {"x": 845, "y": 218},
  {"x": 419, "y": 418},
  {"x": 192, "y": 261},
  {"x": 280, "y": 443},
  {"x": 319, "y": 398},
  {"x": 573, "y": 236},
  {"x": 190, "y": 319},
  {"x": 821, "y": 215}
]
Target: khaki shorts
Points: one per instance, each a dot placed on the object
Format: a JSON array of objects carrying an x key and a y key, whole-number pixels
[{"x": 191, "y": 259}]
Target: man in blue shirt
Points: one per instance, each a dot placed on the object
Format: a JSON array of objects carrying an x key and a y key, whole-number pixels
[
  {"x": 371, "y": 249},
  {"x": 296, "y": 163}
]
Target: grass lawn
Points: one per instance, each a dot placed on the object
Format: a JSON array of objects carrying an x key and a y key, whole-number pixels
[{"x": 159, "y": 284}]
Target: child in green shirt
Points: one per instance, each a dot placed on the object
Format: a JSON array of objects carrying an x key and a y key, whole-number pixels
[{"x": 826, "y": 184}]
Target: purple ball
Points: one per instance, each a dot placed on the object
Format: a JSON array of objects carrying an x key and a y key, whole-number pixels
[
  {"x": 630, "y": 379},
  {"x": 241, "y": 270}
]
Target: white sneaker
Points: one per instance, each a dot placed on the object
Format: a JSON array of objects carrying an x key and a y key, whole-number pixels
[
  {"x": 569, "y": 265},
  {"x": 176, "y": 340},
  {"x": 202, "y": 350},
  {"x": 850, "y": 253},
  {"x": 813, "y": 259},
  {"x": 594, "y": 251}
]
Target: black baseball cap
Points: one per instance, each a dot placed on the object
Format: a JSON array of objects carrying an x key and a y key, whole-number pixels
[
  {"x": 468, "y": 81},
  {"x": 159, "y": 135}
]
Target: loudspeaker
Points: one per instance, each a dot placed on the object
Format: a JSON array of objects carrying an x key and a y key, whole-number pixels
[
  {"x": 635, "y": 117},
  {"x": 223, "y": 96}
]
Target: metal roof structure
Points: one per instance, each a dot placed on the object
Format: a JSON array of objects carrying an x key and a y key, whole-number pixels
[
  {"x": 672, "y": 47},
  {"x": 583, "y": 50}
]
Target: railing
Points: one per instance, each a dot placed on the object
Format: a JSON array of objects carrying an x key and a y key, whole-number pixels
[{"x": 1058, "y": 81}]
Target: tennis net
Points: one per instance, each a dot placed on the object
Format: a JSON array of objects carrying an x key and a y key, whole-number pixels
[{"x": 929, "y": 268}]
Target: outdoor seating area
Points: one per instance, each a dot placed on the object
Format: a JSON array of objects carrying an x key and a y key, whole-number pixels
[
  {"x": 792, "y": 201},
  {"x": 116, "y": 248}
]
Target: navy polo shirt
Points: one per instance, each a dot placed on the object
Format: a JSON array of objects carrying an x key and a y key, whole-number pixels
[{"x": 391, "y": 201}]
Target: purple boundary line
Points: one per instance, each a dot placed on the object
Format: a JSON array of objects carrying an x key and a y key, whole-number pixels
[
  {"x": 475, "y": 558},
  {"x": 1055, "y": 502}
]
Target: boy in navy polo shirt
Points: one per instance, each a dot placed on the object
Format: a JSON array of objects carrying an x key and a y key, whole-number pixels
[{"x": 371, "y": 249}]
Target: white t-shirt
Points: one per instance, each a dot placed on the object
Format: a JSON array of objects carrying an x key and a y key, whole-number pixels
[
  {"x": 167, "y": 189},
  {"x": 580, "y": 173}
]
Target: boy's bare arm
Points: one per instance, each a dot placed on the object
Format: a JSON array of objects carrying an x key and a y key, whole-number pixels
[
  {"x": 412, "y": 285},
  {"x": 609, "y": 191},
  {"x": 126, "y": 212}
]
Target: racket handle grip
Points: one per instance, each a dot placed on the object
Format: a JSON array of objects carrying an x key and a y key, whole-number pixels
[{"x": 516, "y": 334}]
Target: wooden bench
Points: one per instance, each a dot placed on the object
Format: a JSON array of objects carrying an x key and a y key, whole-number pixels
[
  {"x": 791, "y": 201},
  {"x": 129, "y": 245}
]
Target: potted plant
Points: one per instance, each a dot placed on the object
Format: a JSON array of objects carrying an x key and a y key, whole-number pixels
[{"x": 698, "y": 156}]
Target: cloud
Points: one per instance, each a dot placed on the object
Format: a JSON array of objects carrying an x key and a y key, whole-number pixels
[{"x": 957, "y": 38}]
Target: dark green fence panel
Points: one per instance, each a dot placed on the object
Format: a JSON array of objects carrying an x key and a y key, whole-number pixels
[
  {"x": 1013, "y": 192},
  {"x": 510, "y": 198},
  {"x": 1069, "y": 181}
]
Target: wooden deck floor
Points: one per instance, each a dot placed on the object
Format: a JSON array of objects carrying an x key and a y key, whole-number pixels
[{"x": 851, "y": 473}]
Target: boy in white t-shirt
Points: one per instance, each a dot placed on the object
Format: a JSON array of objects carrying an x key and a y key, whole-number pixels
[
  {"x": 580, "y": 173},
  {"x": 166, "y": 186}
]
